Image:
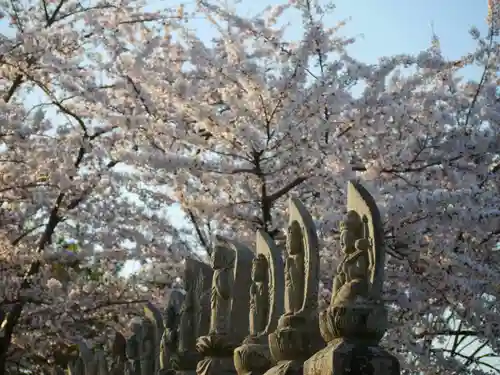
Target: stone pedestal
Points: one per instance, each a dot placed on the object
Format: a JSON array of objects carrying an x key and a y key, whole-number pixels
[
  {"x": 353, "y": 332},
  {"x": 217, "y": 351},
  {"x": 164, "y": 371},
  {"x": 253, "y": 357},
  {"x": 345, "y": 357},
  {"x": 296, "y": 339},
  {"x": 185, "y": 362}
]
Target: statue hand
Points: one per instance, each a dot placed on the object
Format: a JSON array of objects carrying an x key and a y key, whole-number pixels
[
  {"x": 353, "y": 256},
  {"x": 362, "y": 244}
]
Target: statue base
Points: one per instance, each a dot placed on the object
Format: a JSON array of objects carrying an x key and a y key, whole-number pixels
[
  {"x": 184, "y": 363},
  {"x": 253, "y": 357},
  {"x": 296, "y": 339},
  {"x": 344, "y": 357},
  {"x": 353, "y": 331},
  {"x": 357, "y": 321},
  {"x": 217, "y": 351}
]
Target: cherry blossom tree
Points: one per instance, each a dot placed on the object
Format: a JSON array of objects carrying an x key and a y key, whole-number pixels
[
  {"x": 63, "y": 179},
  {"x": 237, "y": 124},
  {"x": 111, "y": 114}
]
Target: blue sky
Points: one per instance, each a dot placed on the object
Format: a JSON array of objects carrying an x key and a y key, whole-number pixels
[
  {"x": 387, "y": 27},
  {"x": 391, "y": 26},
  {"x": 383, "y": 27}
]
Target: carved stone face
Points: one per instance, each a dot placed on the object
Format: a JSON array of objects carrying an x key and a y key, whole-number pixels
[
  {"x": 221, "y": 258},
  {"x": 295, "y": 239},
  {"x": 351, "y": 231},
  {"x": 259, "y": 268}
]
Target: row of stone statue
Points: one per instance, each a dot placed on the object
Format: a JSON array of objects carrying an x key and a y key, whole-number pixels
[{"x": 256, "y": 312}]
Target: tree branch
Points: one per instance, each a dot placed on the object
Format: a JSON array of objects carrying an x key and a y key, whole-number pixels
[
  {"x": 447, "y": 332},
  {"x": 199, "y": 232},
  {"x": 277, "y": 195}
]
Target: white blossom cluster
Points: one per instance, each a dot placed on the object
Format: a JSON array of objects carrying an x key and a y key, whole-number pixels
[{"x": 111, "y": 113}]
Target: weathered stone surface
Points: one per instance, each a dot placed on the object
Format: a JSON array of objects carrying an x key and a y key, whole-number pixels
[
  {"x": 171, "y": 321},
  {"x": 232, "y": 264},
  {"x": 356, "y": 319},
  {"x": 194, "y": 316},
  {"x": 198, "y": 283},
  {"x": 343, "y": 357},
  {"x": 141, "y": 351},
  {"x": 155, "y": 320},
  {"x": 266, "y": 305},
  {"x": 297, "y": 335}
]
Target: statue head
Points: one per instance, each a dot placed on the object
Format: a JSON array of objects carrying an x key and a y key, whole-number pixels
[
  {"x": 295, "y": 239},
  {"x": 222, "y": 257},
  {"x": 175, "y": 299},
  {"x": 351, "y": 230},
  {"x": 136, "y": 326},
  {"x": 259, "y": 268}
]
